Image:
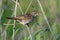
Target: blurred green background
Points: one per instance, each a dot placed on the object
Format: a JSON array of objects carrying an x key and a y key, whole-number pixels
[{"x": 38, "y": 32}]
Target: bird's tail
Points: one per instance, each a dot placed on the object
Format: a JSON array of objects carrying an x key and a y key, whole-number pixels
[{"x": 11, "y": 18}]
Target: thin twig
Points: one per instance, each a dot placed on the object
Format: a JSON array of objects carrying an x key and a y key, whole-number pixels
[
  {"x": 1, "y": 25},
  {"x": 29, "y": 32},
  {"x": 19, "y": 6},
  {"x": 17, "y": 31},
  {"x": 45, "y": 17},
  {"x": 28, "y": 6},
  {"x": 8, "y": 24}
]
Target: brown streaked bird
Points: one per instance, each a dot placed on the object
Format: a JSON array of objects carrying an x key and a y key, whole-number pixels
[{"x": 26, "y": 18}]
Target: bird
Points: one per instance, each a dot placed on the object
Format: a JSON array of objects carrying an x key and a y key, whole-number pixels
[{"x": 25, "y": 19}]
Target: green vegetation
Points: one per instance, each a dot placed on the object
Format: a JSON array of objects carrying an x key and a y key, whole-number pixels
[{"x": 40, "y": 31}]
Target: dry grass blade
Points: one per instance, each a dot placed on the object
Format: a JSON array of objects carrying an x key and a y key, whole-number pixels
[
  {"x": 19, "y": 6},
  {"x": 45, "y": 18},
  {"x": 29, "y": 6},
  {"x": 30, "y": 36}
]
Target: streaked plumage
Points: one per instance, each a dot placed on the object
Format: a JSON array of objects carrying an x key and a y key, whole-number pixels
[{"x": 25, "y": 19}]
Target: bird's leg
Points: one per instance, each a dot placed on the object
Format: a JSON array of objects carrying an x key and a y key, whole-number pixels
[
  {"x": 18, "y": 0},
  {"x": 27, "y": 24}
]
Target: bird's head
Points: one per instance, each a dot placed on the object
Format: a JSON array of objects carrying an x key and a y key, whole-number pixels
[{"x": 34, "y": 14}]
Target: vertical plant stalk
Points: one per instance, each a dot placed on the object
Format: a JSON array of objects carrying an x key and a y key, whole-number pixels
[
  {"x": 1, "y": 13},
  {"x": 5, "y": 36},
  {"x": 29, "y": 32},
  {"x": 45, "y": 18},
  {"x": 14, "y": 20},
  {"x": 19, "y": 6},
  {"x": 1, "y": 25}
]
